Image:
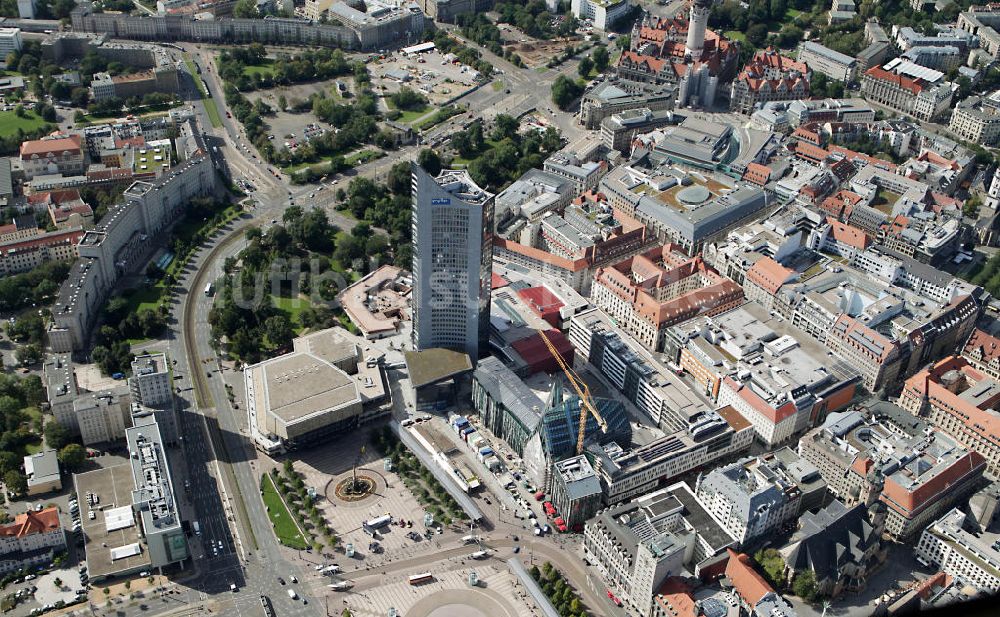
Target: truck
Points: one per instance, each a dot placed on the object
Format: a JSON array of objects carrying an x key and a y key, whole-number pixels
[
  {"x": 480, "y": 554},
  {"x": 469, "y": 539},
  {"x": 377, "y": 523},
  {"x": 331, "y": 570},
  {"x": 209, "y": 289},
  {"x": 340, "y": 586},
  {"x": 197, "y": 528}
]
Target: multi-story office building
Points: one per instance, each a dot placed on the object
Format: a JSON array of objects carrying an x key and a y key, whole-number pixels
[
  {"x": 618, "y": 130},
  {"x": 917, "y": 474},
  {"x": 32, "y": 539},
  {"x": 154, "y": 500},
  {"x": 961, "y": 401},
  {"x": 977, "y": 119},
  {"x": 648, "y": 293},
  {"x": 10, "y": 40},
  {"x": 636, "y": 546},
  {"x": 961, "y": 553},
  {"x": 909, "y": 88},
  {"x": 575, "y": 491},
  {"x": 754, "y": 497},
  {"x": 452, "y": 258},
  {"x": 59, "y": 154},
  {"x": 833, "y": 64},
  {"x": 448, "y": 10},
  {"x": 603, "y": 13},
  {"x": 771, "y": 372}
]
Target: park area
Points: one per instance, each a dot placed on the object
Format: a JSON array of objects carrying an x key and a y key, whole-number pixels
[{"x": 284, "y": 525}]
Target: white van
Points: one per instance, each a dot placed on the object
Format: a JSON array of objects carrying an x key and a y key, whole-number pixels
[{"x": 292, "y": 594}]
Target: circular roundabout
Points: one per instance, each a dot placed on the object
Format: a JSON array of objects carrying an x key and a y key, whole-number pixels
[
  {"x": 343, "y": 490},
  {"x": 478, "y": 602}
]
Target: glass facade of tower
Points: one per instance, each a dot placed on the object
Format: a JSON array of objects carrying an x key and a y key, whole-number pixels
[{"x": 452, "y": 261}]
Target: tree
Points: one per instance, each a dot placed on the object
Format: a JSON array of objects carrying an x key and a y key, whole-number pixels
[
  {"x": 773, "y": 565},
  {"x": 56, "y": 435},
  {"x": 601, "y": 58},
  {"x": 9, "y": 461},
  {"x": 804, "y": 585},
  {"x": 278, "y": 330},
  {"x": 29, "y": 354},
  {"x": 246, "y": 9},
  {"x": 586, "y": 65},
  {"x": 72, "y": 455},
  {"x": 504, "y": 127},
  {"x": 16, "y": 482},
  {"x": 565, "y": 91}
]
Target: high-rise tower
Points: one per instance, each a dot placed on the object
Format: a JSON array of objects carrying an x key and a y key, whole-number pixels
[
  {"x": 452, "y": 261},
  {"x": 696, "y": 28}
]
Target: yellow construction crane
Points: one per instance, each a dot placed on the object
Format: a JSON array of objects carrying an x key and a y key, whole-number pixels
[{"x": 582, "y": 391}]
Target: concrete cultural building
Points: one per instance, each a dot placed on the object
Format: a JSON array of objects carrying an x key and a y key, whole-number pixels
[
  {"x": 307, "y": 395},
  {"x": 613, "y": 96}
]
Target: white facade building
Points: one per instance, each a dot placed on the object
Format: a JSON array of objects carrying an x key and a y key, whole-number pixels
[{"x": 959, "y": 553}]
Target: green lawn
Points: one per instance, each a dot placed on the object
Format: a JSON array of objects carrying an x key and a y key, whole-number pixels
[
  {"x": 292, "y": 308},
  {"x": 265, "y": 69},
  {"x": 791, "y": 13},
  {"x": 281, "y": 519},
  {"x": 10, "y": 122},
  {"x": 210, "y": 107},
  {"x": 736, "y": 35},
  {"x": 363, "y": 157},
  {"x": 411, "y": 115}
]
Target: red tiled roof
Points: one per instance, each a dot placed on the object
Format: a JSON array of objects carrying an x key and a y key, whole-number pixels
[
  {"x": 757, "y": 173},
  {"x": 675, "y": 598},
  {"x": 540, "y": 255},
  {"x": 810, "y": 152},
  {"x": 745, "y": 579},
  {"x": 880, "y": 74},
  {"x": 69, "y": 143},
  {"x": 769, "y": 274},
  {"x": 497, "y": 281},
  {"x": 848, "y": 234},
  {"x": 983, "y": 345},
  {"x": 30, "y": 523},
  {"x": 909, "y": 502},
  {"x": 49, "y": 239}
]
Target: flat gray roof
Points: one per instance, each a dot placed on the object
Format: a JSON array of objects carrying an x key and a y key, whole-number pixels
[
  {"x": 298, "y": 385},
  {"x": 113, "y": 487},
  {"x": 433, "y": 365}
]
